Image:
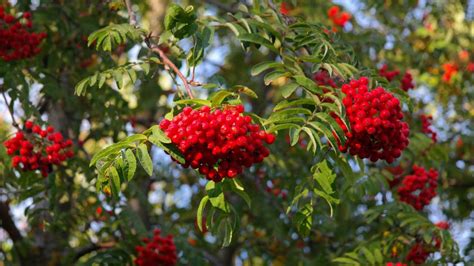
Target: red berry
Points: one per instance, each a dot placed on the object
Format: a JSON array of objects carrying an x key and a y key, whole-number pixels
[
  {"x": 377, "y": 129},
  {"x": 218, "y": 143},
  {"x": 28, "y": 124},
  {"x": 156, "y": 251}
]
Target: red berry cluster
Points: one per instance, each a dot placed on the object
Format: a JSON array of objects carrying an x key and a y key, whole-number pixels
[
  {"x": 418, "y": 253},
  {"x": 322, "y": 78},
  {"x": 389, "y": 75},
  {"x": 470, "y": 67},
  {"x": 285, "y": 8},
  {"x": 218, "y": 143},
  {"x": 395, "y": 264},
  {"x": 38, "y": 149},
  {"x": 16, "y": 41},
  {"x": 418, "y": 188},
  {"x": 425, "y": 127},
  {"x": 375, "y": 117},
  {"x": 407, "y": 82},
  {"x": 156, "y": 251},
  {"x": 442, "y": 225},
  {"x": 272, "y": 186},
  {"x": 337, "y": 17},
  {"x": 450, "y": 69}
]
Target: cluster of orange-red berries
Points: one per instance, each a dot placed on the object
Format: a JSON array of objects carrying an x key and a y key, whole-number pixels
[
  {"x": 426, "y": 127},
  {"x": 16, "y": 39},
  {"x": 375, "y": 117},
  {"x": 36, "y": 148},
  {"x": 219, "y": 143},
  {"x": 390, "y": 75},
  {"x": 337, "y": 17},
  {"x": 157, "y": 250}
]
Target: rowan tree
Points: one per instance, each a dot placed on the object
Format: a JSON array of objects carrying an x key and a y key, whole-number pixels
[{"x": 261, "y": 132}]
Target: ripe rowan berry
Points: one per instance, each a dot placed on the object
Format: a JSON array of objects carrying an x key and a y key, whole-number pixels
[
  {"x": 418, "y": 253},
  {"x": 156, "y": 251},
  {"x": 16, "y": 42},
  {"x": 407, "y": 82},
  {"x": 338, "y": 18},
  {"x": 217, "y": 143},
  {"x": 34, "y": 149},
  {"x": 389, "y": 75},
  {"x": 425, "y": 127},
  {"x": 375, "y": 119},
  {"x": 418, "y": 188}
]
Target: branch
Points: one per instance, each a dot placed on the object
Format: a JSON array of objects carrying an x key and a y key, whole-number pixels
[
  {"x": 91, "y": 248},
  {"x": 168, "y": 63},
  {"x": 131, "y": 15},
  {"x": 14, "y": 123},
  {"x": 7, "y": 223}
]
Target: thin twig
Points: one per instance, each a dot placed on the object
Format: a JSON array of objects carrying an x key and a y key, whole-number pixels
[
  {"x": 131, "y": 15},
  {"x": 170, "y": 64},
  {"x": 14, "y": 123}
]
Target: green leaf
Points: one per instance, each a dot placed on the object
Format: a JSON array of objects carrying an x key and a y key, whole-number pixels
[
  {"x": 368, "y": 255},
  {"x": 200, "y": 210},
  {"x": 145, "y": 159},
  {"x": 324, "y": 176},
  {"x": 260, "y": 67},
  {"x": 132, "y": 164},
  {"x": 237, "y": 187},
  {"x": 158, "y": 135},
  {"x": 257, "y": 39},
  {"x": 285, "y": 104},
  {"x": 329, "y": 199},
  {"x": 228, "y": 232},
  {"x": 326, "y": 131},
  {"x": 170, "y": 149},
  {"x": 314, "y": 140},
  {"x": 295, "y": 136},
  {"x": 303, "y": 193},
  {"x": 308, "y": 84},
  {"x": 216, "y": 196},
  {"x": 275, "y": 75},
  {"x": 345, "y": 260},
  {"x": 199, "y": 102},
  {"x": 334, "y": 126},
  {"x": 112, "y": 149},
  {"x": 278, "y": 127},
  {"x": 218, "y": 97},
  {"x": 80, "y": 90},
  {"x": 179, "y": 21},
  {"x": 288, "y": 89},
  {"x": 304, "y": 220},
  {"x": 115, "y": 181},
  {"x": 245, "y": 90}
]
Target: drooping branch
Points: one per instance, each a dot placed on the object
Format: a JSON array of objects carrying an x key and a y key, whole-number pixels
[
  {"x": 91, "y": 248},
  {"x": 7, "y": 223}
]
